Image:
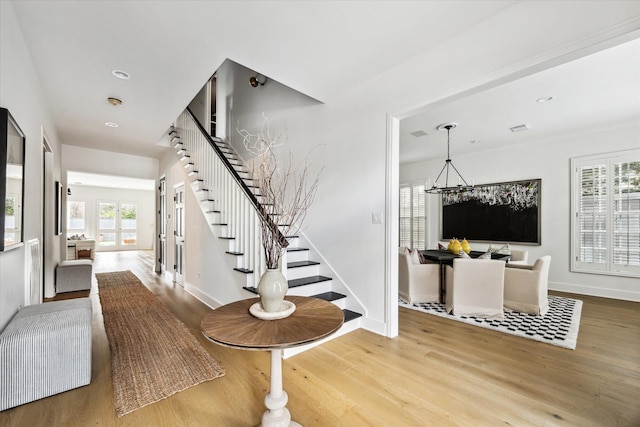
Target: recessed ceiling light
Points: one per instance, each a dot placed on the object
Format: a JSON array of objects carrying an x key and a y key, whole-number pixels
[
  {"x": 475, "y": 141},
  {"x": 520, "y": 128},
  {"x": 114, "y": 101},
  {"x": 544, "y": 99},
  {"x": 121, "y": 74},
  {"x": 111, "y": 124},
  {"x": 419, "y": 133}
]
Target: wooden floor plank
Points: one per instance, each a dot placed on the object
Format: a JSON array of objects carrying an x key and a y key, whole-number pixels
[{"x": 437, "y": 372}]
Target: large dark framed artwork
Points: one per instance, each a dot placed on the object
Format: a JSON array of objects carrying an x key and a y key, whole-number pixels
[
  {"x": 500, "y": 212},
  {"x": 12, "y": 143}
]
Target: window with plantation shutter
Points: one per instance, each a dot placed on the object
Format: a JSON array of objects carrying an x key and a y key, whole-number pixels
[
  {"x": 606, "y": 220},
  {"x": 412, "y": 216}
]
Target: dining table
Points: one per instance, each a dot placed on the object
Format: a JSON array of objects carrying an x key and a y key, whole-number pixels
[{"x": 445, "y": 258}]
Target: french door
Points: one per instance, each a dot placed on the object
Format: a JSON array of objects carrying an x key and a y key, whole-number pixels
[
  {"x": 162, "y": 221},
  {"x": 117, "y": 225}
]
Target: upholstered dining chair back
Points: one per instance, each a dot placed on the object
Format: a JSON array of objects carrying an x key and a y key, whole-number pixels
[
  {"x": 417, "y": 282},
  {"x": 526, "y": 286},
  {"x": 519, "y": 257},
  {"x": 475, "y": 287}
]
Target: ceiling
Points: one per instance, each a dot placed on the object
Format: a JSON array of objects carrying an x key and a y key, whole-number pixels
[
  {"x": 593, "y": 91},
  {"x": 171, "y": 48}
]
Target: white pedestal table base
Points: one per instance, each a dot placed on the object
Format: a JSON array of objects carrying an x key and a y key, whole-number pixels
[{"x": 277, "y": 415}]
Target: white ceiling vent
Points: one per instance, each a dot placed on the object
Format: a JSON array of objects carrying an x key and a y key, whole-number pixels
[
  {"x": 419, "y": 133},
  {"x": 520, "y": 128}
]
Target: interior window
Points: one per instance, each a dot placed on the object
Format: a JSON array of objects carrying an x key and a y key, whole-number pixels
[
  {"x": 75, "y": 218},
  {"x": 606, "y": 220},
  {"x": 412, "y": 216}
]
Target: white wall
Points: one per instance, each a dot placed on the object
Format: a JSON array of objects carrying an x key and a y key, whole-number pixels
[
  {"x": 21, "y": 94},
  {"x": 144, "y": 200},
  {"x": 548, "y": 159},
  {"x": 80, "y": 159},
  {"x": 241, "y": 106}
]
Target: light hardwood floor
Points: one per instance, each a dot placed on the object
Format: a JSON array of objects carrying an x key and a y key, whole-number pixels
[{"x": 436, "y": 373}]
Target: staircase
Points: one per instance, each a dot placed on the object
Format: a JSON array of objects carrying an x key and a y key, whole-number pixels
[{"x": 229, "y": 200}]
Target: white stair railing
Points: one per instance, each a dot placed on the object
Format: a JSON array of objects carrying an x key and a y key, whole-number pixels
[{"x": 236, "y": 209}]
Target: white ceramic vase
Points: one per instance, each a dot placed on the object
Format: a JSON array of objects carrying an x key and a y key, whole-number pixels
[{"x": 272, "y": 288}]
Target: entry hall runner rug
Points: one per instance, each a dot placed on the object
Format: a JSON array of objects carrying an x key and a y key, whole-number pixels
[
  {"x": 153, "y": 354},
  {"x": 559, "y": 326}
]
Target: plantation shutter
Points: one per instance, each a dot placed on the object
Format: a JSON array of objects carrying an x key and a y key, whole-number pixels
[
  {"x": 606, "y": 225},
  {"x": 412, "y": 216},
  {"x": 418, "y": 217},
  {"x": 405, "y": 216},
  {"x": 592, "y": 213},
  {"x": 626, "y": 213}
]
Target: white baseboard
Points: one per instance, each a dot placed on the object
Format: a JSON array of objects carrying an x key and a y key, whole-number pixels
[
  {"x": 596, "y": 292},
  {"x": 374, "y": 326},
  {"x": 201, "y": 296}
]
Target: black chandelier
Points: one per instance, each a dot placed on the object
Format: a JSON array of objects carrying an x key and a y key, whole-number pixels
[{"x": 462, "y": 186}]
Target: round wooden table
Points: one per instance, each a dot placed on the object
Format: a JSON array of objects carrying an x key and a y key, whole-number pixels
[{"x": 232, "y": 325}]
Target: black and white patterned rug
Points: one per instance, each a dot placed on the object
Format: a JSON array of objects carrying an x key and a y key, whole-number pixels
[{"x": 559, "y": 326}]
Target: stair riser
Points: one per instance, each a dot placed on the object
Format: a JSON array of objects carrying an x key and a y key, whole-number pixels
[
  {"x": 231, "y": 246},
  {"x": 197, "y": 185},
  {"x": 300, "y": 272},
  {"x": 208, "y": 205},
  {"x": 250, "y": 279},
  {"x": 221, "y": 230},
  {"x": 294, "y": 256},
  {"x": 202, "y": 195},
  {"x": 310, "y": 290},
  {"x": 341, "y": 303},
  {"x": 212, "y": 217}
]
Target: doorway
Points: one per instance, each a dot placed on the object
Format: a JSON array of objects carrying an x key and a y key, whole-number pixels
[
  {"x": 117, "y": 225},
  {"x": 162, "y": 225},
  {"x": 49, "y": 253},
  {"x": 178, "y": 268}
]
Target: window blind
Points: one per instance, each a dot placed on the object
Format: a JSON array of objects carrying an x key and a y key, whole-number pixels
[
  {"x": 412, "y": 216},
  {"x": 606, "y": 224}
]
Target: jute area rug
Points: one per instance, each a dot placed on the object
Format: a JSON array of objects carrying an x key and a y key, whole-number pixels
[
  {"x": 559, "y": 326},
  {"x": 153, "y": 355}
]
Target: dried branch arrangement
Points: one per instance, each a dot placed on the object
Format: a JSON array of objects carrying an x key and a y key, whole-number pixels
[{"x": 286, "y": 192}]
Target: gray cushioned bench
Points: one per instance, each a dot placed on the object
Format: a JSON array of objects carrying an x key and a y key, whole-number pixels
[
  {"x": 73, "y": 275},
  {"x": 45, "y": 349}
]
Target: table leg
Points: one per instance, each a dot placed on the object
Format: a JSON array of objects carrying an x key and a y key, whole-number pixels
[
  {"x": 277, "y": 415},
  {"x": 442, "y": 284}
]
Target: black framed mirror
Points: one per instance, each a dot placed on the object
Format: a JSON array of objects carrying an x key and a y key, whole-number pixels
[{"x": 12, "y": 147}]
